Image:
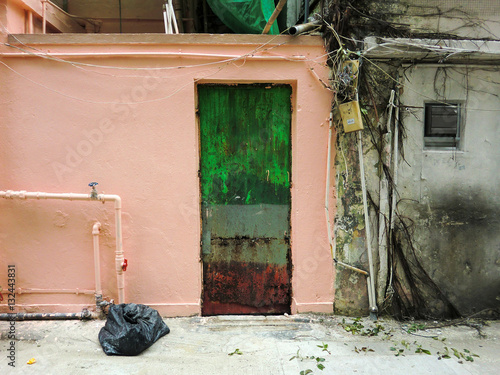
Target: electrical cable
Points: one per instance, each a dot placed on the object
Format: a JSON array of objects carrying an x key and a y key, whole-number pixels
[
  {"x": 42, "y": 54},
  {"x": 421, "y": 94},
  {"x": 107, "y": 102},
  {"x": 260, "y": 48}
]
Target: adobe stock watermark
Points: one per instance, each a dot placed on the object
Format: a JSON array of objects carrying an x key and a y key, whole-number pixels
[
  {"x": 94, "y": 137},
  {"x": 11, "y": 301}
]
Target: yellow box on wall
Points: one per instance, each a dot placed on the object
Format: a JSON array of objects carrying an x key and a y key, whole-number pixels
[{"x": 351, "y": 116}]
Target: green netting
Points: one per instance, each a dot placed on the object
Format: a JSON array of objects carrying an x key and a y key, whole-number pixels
[{"x": 245, "y": 16}]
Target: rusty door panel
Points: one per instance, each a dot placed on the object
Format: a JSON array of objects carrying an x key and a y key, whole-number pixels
[{"x": 245, "y": 186}]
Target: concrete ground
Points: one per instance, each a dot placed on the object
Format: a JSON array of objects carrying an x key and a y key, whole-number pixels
[{"x": 261, "y": 345}]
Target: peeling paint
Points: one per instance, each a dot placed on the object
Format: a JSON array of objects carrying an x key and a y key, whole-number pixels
[
  {"x": 245, "y": 188},
  {"x": 350, "y": 288}
]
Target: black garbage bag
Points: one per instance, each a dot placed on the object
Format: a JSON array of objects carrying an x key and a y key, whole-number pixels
[{"x": 130, "y": 329}]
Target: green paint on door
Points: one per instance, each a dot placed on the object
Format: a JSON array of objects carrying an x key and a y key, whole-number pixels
[
  {"x": 245, "y": 186},
  {"x": 245, "y": 133}
]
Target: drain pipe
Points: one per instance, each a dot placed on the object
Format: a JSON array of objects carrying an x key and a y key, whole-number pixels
[
  {"x": 327, "y": 188},
  {"x": 120, "y": 261},
  {"x": 395, "y": 164},
  {"x": 84, "y": 315},
  {"x": 370, "y": 278},
  {"x": 299, "y": 29},
  {"x": 97, "y": 266}
]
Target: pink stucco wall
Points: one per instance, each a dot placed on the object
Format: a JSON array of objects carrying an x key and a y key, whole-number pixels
[
  {"x": 134, "y": 131},
  {"x": 12, "y": 16}
]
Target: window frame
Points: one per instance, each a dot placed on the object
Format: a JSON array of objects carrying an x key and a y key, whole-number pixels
[{"x": 443, "y": 142}]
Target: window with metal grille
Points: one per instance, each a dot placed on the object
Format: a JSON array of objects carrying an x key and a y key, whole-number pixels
[{"x": 442, "y": 125}]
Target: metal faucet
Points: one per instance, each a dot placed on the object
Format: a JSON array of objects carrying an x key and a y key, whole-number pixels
[{"x": 93, "y": 193}]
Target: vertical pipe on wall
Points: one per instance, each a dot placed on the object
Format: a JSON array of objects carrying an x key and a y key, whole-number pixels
[
  {"x": 395, "y": 159},
  {"x": 97, "y": 263},
  {"x": 173, "y": 18},
  {"x": 327, "y": 189},
  {"x": 384, "y": 207},
  {"x": 120, "y": 262},
  {"x": 370, "y": 280},
  {"x": 395, "y": 162},
  {"x": 167, "y": 19},
  {"x": 44, "y": 16}
]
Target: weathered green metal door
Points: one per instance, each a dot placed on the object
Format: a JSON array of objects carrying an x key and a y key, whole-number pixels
[{"x": 245, "y": 190}]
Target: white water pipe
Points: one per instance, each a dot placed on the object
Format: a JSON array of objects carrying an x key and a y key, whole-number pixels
[
  {"x": 327, "y": 188},
  {"x": 120, "y": 263},
  {"x": 395, "y": 164},
  {"x": 53, "y": 291},
  {"x": 174, "y": 19},
  {"x": 384, "y": 208},
  {"x": 371, "y": 278},
  {"x": 166, "y": 19},
  {"x": 97, "y": 264}
]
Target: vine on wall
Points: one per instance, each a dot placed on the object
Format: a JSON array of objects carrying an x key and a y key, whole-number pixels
[{"x": 407, "y": 291}]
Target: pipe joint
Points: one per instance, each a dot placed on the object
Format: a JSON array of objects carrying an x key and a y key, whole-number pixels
[
  {"x": 96, "y": 229},
  {"x": 110, "y": 197},
  {"x": 101, "y": 303},
  {"x": 118, "y": 202},
  {"x": 119, "y": 261}
]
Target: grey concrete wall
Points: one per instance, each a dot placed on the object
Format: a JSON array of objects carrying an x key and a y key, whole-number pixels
[
  {"x": 453, "y": 196},
  {"x": 465, "y": 18},
  {"x": 450, "y": 197}
]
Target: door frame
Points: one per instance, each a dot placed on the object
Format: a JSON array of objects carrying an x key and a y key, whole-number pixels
[{"x": 293, "y": 105}]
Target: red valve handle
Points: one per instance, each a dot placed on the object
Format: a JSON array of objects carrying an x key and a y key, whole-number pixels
[{"x": 124, "y": 265}]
